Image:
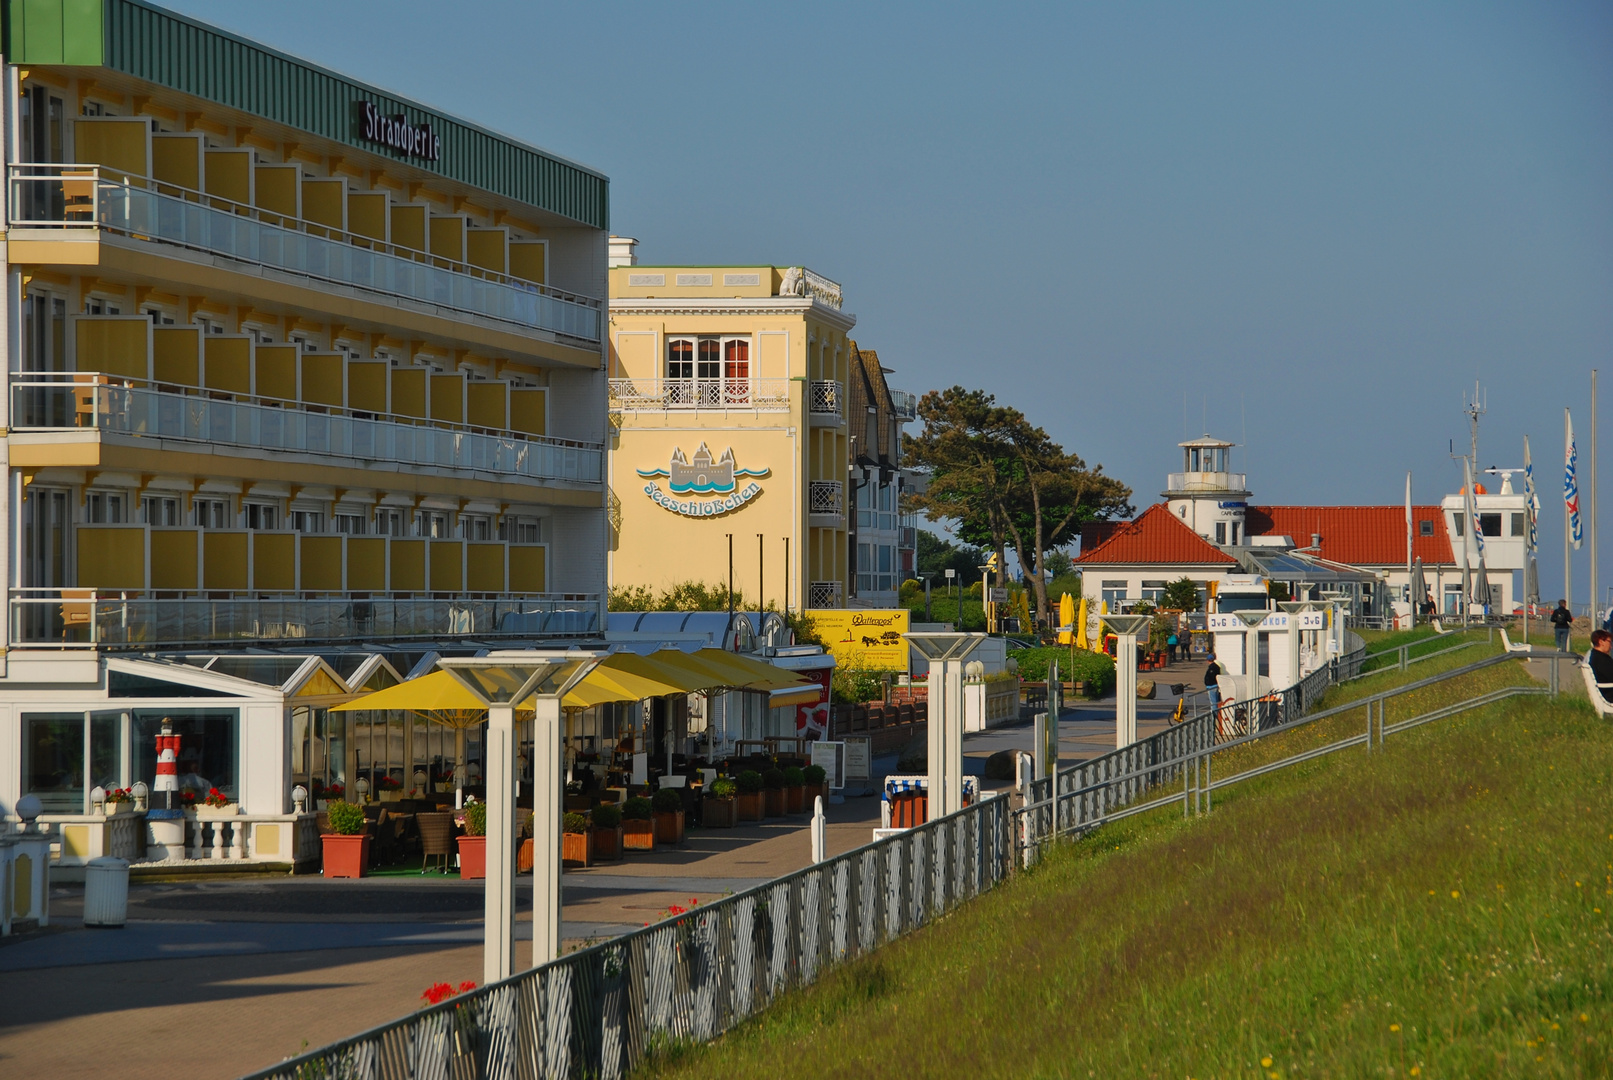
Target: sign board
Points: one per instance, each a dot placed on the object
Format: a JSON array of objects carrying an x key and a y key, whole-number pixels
[
  {"x": 812, "y": 720},
  {"x": 999, "y": 596},
  {"x": 859, "y": 758},
  {"x": 1277, "y": 620},
  {"x": 869, "y": 639},
  {"x": 688, "y": 478},
  {"x": 831, "y": 757}
]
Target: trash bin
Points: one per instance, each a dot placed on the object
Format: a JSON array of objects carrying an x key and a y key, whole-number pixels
[{"x": 106, "y": 892}]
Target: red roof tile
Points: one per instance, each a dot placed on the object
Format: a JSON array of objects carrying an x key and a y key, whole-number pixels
[
  {"x": 1155, "y": 537},
  {"x": 1358, "y": 535}
]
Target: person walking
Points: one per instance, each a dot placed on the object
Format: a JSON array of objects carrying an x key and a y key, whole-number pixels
[{"x": 1562, "y": 621}]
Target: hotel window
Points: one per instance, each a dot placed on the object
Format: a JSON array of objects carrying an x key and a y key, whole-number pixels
[
  {"x": 865, "y": 568},
  {"x": 1489, "y": 524},
  {"x": 1519, "y": 526},
  {"x": 262, "y": 517},
  {"x": 57, "y": 747},
  {"x": 159, "y": 317},
  {"x": 887, "y": 504},
  {"x": 1461, "y": 525},
  {"x": 104, "y": 508},
  {"x": 390, "y": 523},
  {"x": 308, "y": 521},
  {"x": 520, "y": 530},
  {"x": 475, "y": 527},
  {"x": 159, "y": 510},
  {"x": 349, "y": 524},
  {"x": 715, "y": 370},
  {"x": 432, "y": 523},
  {"x": 211, "y": 513},
  {"x": 95, "y": 305},
  {"x": 886, "y": 562},
  {"x": 1153, "y": 591},
  {"x": 1220, "y": 532},
  {"x": 44, "y": 332},
  {"x": 1425, "y": 527},
  {"x": 1114, "y": 591}
]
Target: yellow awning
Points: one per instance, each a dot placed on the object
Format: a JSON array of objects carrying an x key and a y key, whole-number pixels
[
  {"x": 750, "y": 673},
  {"x": 667, "y": 667},
  {"x": 436, "y": 692},
  {"x": 440, "y": 692},
  {"x": 617, "y": 672},
  {"x": 805, "y": 696}
]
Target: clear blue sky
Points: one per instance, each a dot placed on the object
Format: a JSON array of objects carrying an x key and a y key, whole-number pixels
[{"x": 1319, "y": 223}]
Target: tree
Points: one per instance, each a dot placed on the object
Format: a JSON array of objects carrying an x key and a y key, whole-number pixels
[
  {"x": 1181, "y": 595},
  {"x": 936, "y": 555},
  {"x": 1005, "y": 481}
]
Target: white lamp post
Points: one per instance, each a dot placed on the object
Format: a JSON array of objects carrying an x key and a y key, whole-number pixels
[
  {"x": 946, "y": 654},
  {"x": 1126, "y": 628},
  {"x": 504, "y": 680}
]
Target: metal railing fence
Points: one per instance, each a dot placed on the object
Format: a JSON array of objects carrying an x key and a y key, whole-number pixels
[{"x": 599, "y": 1011}]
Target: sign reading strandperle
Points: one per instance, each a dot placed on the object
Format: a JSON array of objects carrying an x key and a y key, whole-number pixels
[{"x": 702, "y": 475}]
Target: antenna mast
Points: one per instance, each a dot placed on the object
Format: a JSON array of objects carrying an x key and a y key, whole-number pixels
[{"x": 1475, "y": 408}]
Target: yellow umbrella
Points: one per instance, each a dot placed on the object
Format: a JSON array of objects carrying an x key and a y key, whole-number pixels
[
  {"x": 1066, "y": 619},
  {"x": 671, "y": 668},
  {"x": 748, "y": 673},
  {"x": 1081, "y": 626}
]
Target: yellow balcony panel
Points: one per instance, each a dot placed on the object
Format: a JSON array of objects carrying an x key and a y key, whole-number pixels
[
  {"x": 274, "y": 561},
  {"x": 113, "y": 344},
  {"x": 111, "y": 556},
  {"x": 448, "y": 398},
  {"x": 277, "y": 189},
  {"x": 226, "y": 560},
  {"x": 121, "y": 145},
  {"x": 366, "y": 385},
  {"x": 487, "y": 248},
  {"x": 484, "y": 567},
  {"x": 368, "y": 213},
  {"x": 176, "y": 355},
  {"x": 485, "y": 405},
  {"x": 228, "y": 361},
  {"x": 529, "y": 411},
  {"x": 228, "y": 175},
  {"x": 408, "y": 565},
  {"x": 527, "y": 568},
  {"x": 366, "y": 563},
  {"x": 320, "y": 564},
  {"x": 409, "y": 392},
  {"x": 54, "y": 247},
  {"x": 529, "y": 260},
  {"x": 175, "y": 559},
  {"x": 275, "y": 371},
  {"x": 322, "y": 379},
  {"x": 324, "y": 202},
  {"x": 176, "y": 159},
  {"x": 409, "y": 226},
  {"x": 447, "y": 237},
  {"x": 447, "y": 565}
]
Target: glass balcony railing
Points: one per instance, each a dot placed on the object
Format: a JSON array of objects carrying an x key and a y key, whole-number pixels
[
  {"x": 79, "y": 196},
  {"x": 87, "y": 618},
  {"x": 90, "y": 403}
]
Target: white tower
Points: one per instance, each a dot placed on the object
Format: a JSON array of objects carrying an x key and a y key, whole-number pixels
[{"x": 1205, "y": 495}]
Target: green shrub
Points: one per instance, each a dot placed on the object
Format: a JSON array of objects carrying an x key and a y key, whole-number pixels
[
  {"x": 1095, "y": 669},
  {"x": 607, "y": 816},
  {"x": 722, "y": 789},
  {"x": 346, "y": 819},
  {"x": 668, "y": 801},
  {"x": 475, "y": 818},
  {"x": 750, "y": 782},
  {"x": 574, "y": 823},
  {"x": 814, "y": 775},
  {"x": 794, "y": 777},
  {"x": 637, "y": 809},
  {"x": 773, "y": 779}
]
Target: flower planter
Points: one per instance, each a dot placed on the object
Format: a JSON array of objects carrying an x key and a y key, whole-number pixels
[
  {"x": 115, "y": 808},
  {"x": 389, "y": 796},
  {"x": 750, "y": 807},
  {"x": 473, "y": 856},
  {"x": 227, "y": 810},
  {"x": 795, "y": 800},
  {"x": 607, "y": 844},
  {"x": 523, "y": 856},
  {"x": 345, "y": 856},
  {"x": 775, "y": 802},
  {"x": 638, "y": 835},
  {"x": 669, "y": 827},
  {"x": 719, "y": 813},
  {"x": 813, "y": 792},
  {"x": 577, "y": 849}
]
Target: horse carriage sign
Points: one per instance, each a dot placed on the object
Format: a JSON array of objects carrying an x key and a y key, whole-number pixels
[{"x": 868, "y": 639}]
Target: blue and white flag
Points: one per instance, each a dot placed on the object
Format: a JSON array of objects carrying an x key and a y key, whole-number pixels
[
  {"x": 1531, "y": 500},
  {"x": 1571, "y": 482}
]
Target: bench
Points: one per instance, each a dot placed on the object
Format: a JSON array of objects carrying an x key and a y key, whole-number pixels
[{"x": 1522, "y": 646}]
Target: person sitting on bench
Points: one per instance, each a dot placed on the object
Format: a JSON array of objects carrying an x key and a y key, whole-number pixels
[{"x": 1601, "y": 660}]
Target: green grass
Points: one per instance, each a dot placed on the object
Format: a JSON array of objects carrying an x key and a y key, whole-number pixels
[{"x": 1439, "y": 905}]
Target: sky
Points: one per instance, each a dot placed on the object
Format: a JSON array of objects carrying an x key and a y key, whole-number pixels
[{"x": 1305, "y": 228}]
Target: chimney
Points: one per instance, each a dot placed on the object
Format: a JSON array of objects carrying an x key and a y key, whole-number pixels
[
  {"x": 623, "y": 251},
  {"x": 1316, "y": 540}
]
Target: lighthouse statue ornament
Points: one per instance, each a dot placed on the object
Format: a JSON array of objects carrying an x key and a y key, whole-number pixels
[{"x": 168, "y": 761}]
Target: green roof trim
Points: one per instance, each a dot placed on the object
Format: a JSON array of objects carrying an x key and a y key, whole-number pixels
[{"x": 180, "y": 53}]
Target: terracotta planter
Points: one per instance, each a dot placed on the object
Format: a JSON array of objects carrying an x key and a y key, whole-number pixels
[
  {"x": 473, "y": 856},
  {"x": 795, "y": 800},
  {"x": 750, "y": 807},
  {"x": 775, "y": 802},
  {"x": 669, "y": 827},
  {"x": 812, "y": 792},
  {"x": 345, "y": 856},
  {"x": 388, "y": 796},
  {"x": 577, "y": 849},
  {"x": 638, "y": 835},
  {"x": 523, "y": 856},
  {"x": 607, "y": 843},
  {"x": 719, "y": 813}
]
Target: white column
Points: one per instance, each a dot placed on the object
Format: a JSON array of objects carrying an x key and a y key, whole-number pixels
[
  {"x": 1293, "y": 648},
  {"x": 954, "y": 738},
  {"x": 1251, "y": 664},
  {"x": 547, "y": 811},
  {"x": 935, "y": 735},
  {"x": 499, "y": 914},
  {"x": 1125, "y": 690}
]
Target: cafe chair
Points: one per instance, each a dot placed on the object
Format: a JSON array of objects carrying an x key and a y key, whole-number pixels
[{"x": 436, "y": 838}]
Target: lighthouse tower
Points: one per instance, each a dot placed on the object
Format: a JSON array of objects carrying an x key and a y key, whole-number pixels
[{"x": 1208, "y": 497}]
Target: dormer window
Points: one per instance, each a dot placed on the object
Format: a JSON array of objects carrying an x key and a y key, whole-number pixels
[{"x": 1425, "y": 527}]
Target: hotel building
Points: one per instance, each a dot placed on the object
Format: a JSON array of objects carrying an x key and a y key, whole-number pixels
[{"x": 305, "y": 383}]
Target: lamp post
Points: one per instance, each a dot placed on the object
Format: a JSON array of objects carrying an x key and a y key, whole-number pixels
[
  {"x": 504, "y": 680},
  {"x": 957, "y": 610},
  {"x": 946, "y": 654},
  {"x": 1294, "y": 608},
  {"x": 1251, "y": 660},
  {"x": 1126, "y": 628}
]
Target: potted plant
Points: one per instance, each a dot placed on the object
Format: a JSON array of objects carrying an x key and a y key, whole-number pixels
[
  {"x": 638, "y": 830},
  {"x": 750, "y": 804},
  {"x": 388, "y": 789},
  {"x": 473, "y": 845},
  {"x": 668, "y": 816},
  {"x": 817, "y": 783},
  {"x": 773, "y": 785},
  {"x": 607, "y": 821},
  {"x": 720, "y": 807},
  {"x": 217, "y": 804},
  {"x": 576, "y": 841},
  {"x": 347, "y": 845},
  {"x": 119, "y": 800},
  {"x": 794, "y": 790}
]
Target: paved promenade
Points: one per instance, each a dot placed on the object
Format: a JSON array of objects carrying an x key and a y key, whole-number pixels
[{"x": 215, "y": 978}]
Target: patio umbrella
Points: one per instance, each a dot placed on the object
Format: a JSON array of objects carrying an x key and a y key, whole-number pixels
[
  {"x": 1418, "y": 588},
  {"x": 1081, "y": 626},
  {"x": 1066, "y": 619}
]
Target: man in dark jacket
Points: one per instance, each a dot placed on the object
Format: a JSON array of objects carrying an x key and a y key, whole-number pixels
[
  {"x": 1211, "y": 674},
  {"x": 1601, "y": 661},
  {"x": 1562, "y": 620}
]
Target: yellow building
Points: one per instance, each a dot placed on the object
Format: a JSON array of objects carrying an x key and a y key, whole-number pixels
[
  {"x": 293, "y": 362},
  {"x": 728, "y": 424}
]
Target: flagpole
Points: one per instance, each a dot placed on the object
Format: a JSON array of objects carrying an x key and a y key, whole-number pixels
[
  {"x": 1595, "y": 596},
  {"x": 1415, "y": 600},
  {"x": 1568, "y": 524}
]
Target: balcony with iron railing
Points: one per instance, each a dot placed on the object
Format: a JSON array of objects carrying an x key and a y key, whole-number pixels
[
  {"x": 96, "y": 404},
  {"x": 655, "y": 395},
  {"x": 825, "y": 402},
  {"x": 1206, "y": 482},
  {"x": 80, "y": 197},
  {"x": 826, "y": 497},
  {"x": 905, "y": 403},
  {"x": 823, "y": 594},
  {"x": 99, "y": 619}
]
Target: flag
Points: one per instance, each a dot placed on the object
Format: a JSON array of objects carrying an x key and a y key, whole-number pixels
[
  {"x": 1531, "y": 500},
  {"x": 1570, "y": 482},
  {"x": 1479, "y": 594}
]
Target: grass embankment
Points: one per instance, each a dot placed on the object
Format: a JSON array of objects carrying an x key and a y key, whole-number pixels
[{"x": 1437, "y": 908}]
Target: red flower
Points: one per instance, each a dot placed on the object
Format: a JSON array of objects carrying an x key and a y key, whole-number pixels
[{"x": 437, "y": 993}]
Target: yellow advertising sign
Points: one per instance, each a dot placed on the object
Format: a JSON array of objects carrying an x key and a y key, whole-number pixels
[{"x": 870, "y": 639}]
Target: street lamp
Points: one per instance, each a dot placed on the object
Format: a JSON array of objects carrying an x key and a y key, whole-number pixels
[
  {"x": 957, "y": 604},
  {"x": 504, "y": 680},
  {"x": 1126, "y": 628},
  {"x": 946, "y": 654}
]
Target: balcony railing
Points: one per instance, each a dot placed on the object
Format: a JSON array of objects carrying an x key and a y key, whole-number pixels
[
  {"x": 1206, "y": 481},
  {"x": 650, "y": 395},
  {"x": 823, "y": 594},
  {"x": 119, "y": 410},
  {"x": 78, "y": 196},
  {"x": 905, "y": 403},
  {"x": 87, "y": 618},
  {"x": 824, "y": 397},
  {"x": 825, "y": 497}
]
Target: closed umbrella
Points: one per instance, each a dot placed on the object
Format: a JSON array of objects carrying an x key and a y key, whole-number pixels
[
  {"x": 1066, "y": 619},
  {"x": 1418, "y": 588},
  {"x": 1081, "y": 626}
]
